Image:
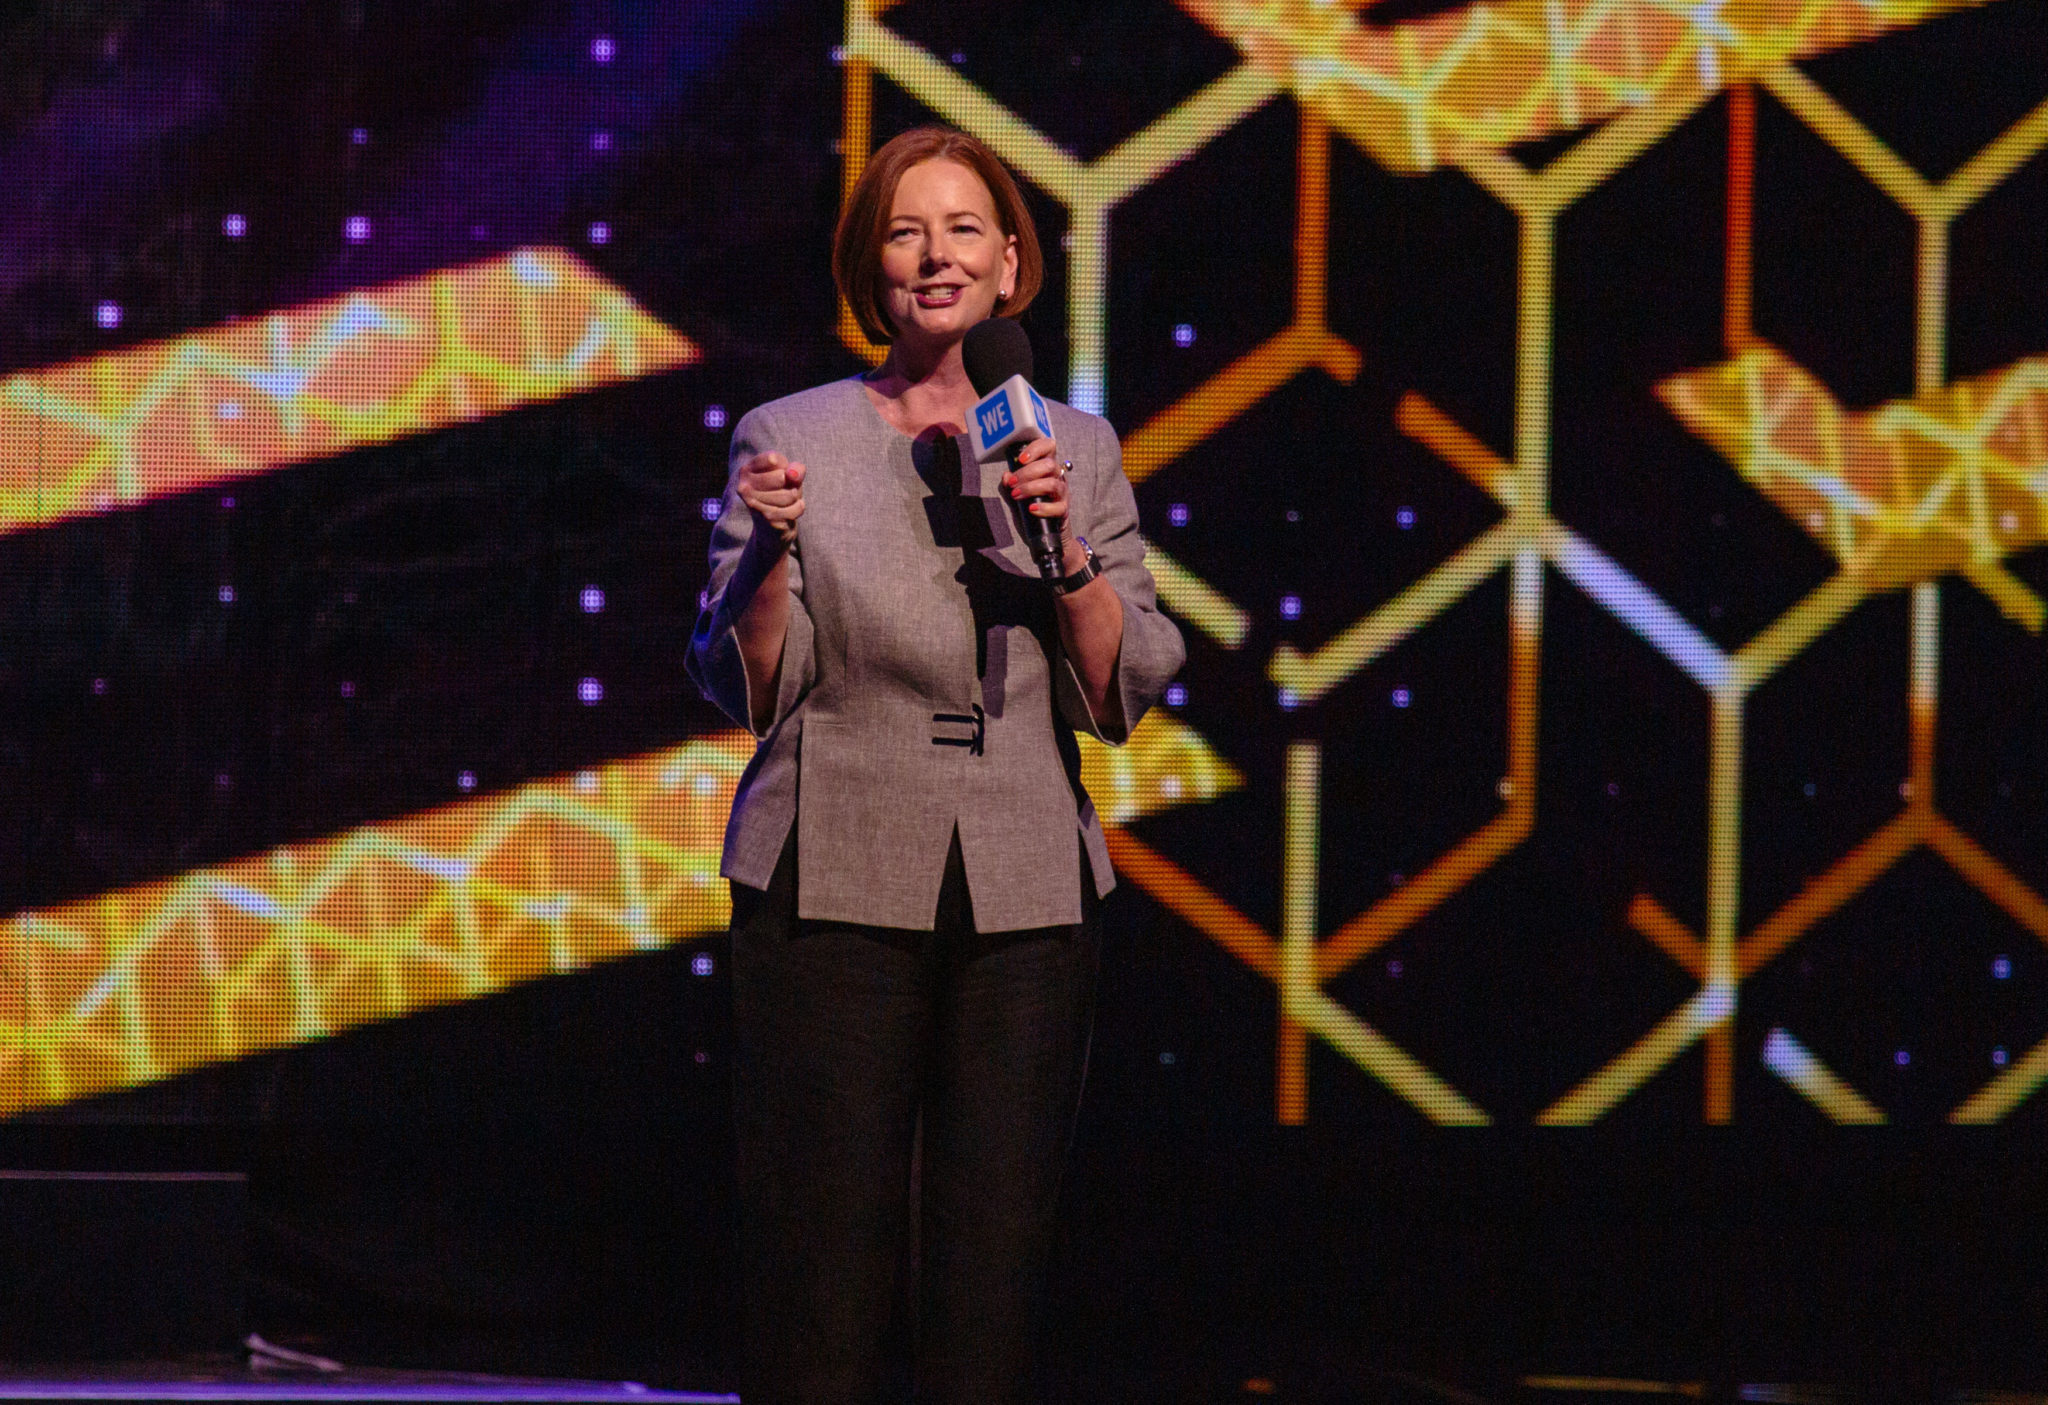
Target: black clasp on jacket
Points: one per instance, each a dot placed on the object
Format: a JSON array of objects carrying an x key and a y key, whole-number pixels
[{"x": 977, "y": 720}]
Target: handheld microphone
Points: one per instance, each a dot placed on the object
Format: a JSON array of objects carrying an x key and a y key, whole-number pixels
[{"x": 997, "y": 354}]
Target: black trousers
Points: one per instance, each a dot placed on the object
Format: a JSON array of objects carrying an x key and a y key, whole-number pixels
[{"x": 853, "y": 1045}]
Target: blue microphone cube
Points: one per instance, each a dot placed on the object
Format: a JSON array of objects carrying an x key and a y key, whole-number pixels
[{"x": 1007, "y": 418}]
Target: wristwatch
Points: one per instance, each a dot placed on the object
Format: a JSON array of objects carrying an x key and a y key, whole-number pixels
[{"x": 1090, "y": 569}]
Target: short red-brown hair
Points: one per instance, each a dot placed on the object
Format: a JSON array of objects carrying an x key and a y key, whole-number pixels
[{"x": 857, "y": 244}]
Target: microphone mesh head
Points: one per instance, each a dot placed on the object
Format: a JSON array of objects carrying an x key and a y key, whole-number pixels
[{"x": 995, "y": 350}]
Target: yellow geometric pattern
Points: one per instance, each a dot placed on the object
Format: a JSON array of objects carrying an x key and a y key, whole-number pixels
[
  {"x": 1489, "y": 76},
  {"x": 307, "y": 382},
  {"x": 1459, "y": 89},
  {"x": 1955, "y": 480},
  {"x": 311, "y": 939}
]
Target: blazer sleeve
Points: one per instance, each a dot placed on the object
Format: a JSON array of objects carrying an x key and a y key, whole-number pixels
[
  {"x": 1152, "y": 650},
  {"x": 714, "y": 661}
]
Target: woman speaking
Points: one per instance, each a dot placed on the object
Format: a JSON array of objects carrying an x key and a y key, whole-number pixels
[{"x": 914, "y": 863}]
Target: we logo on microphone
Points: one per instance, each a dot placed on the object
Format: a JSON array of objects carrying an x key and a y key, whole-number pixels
[
  {"x": 994, "y": 412},
  {"x": 1012, "y": 414}
]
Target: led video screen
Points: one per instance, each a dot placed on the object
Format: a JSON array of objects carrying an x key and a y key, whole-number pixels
[{"x": 1597, "y": 454}]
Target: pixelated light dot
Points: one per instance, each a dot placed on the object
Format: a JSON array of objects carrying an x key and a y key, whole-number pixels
[
  {"x": 465, "y": 780},
  {"x": 592, "y": 600},
  {"x": 234, "y": 226},
  {"x": 227, "y": 504},
  {"x": 1504, "y": 787},
  {"x": 1999, "y": 1056},
  {"x": 1289, "y": 699},
  {"x": 1184, "y": 334},
  {"x": 1177, "y": 514},
  {"x": 360, "y": 136},
  {"x": 223, "y": 781},
  {"x": 586, "y": 781},
  {"x": 1394, "y": 968},
  {"x": 600, "y": 232},
  {"x": 1810, "y": 789},
  {"x": 1906, "y": 790},
  {"x": 590, "y": 691},
  {"x": 1614, "y": 787},
  {"x": 227, "y": 595},
  {"x": 714, "y": 417},
  {"x": 704, "y": 783},
  {"x": 1169, "y": 787},
  {"x": 99, "y": 687},
  {"x": 1404, "y": 517},
  {"x": 600, "y": 141},
  {"x": 2008, "y": 521},
  {"x": 1290, "y": 607},
  {"x": 702, "y": 1057},
  {"x": 602, "y": 49},
  {"x": 958, "y": 56},
  {"x": 356, "y": 228},
  {"x": 1167, "y": 1058},
  {"x": 838, "y": 54},
  {"x": 701, "y": 964},
  {"x": 229, "y": 409},
  {"x": 1816, "y": 521},
  {"x": 108, "y": 315},
  {"x": 709, "y": 509},
  {"x": 1293, "y": 514},
  {"x": 1902, "y": 1058},
  {"x": 1401, "y": 697},
  {"x": 2001, "y": 969},
  {"x": 1176, "y": 695},
  {"x": 479, "y": 232},
  {"x": 348, "y": 690}
]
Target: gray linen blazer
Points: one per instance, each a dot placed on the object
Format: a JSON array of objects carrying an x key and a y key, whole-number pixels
[{"x": 923, "y": 687}]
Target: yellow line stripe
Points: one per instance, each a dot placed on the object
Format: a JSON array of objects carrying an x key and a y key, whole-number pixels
[
  {"x": 1310, "y": 676},
  {"x": 1195, "y": 600}
]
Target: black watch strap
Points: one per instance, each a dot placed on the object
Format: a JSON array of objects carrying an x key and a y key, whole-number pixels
[{"x": 1090, "y": 569}]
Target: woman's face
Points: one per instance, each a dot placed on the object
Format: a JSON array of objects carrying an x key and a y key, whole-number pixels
[{"x": 944, "y": 255}]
